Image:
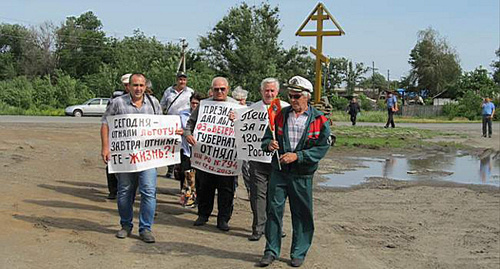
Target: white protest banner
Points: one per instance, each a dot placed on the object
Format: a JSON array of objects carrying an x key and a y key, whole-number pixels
[
  {"x": 215, "y": 148},
  {"x": 250, "y": 126},
  {"x": 141, "y": 141}
]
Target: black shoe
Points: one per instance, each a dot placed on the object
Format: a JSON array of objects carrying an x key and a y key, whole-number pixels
[
  {"x": 489, "y": 136},
  {"x": 283, "y": 234},
  {"x": 223, "y": 226},
  {"x": 266, "y": 260},
  {"x": 111, "y": 196},
  {"x": 255, "y": 237},
  {"x": 200, "y": 221},
  {"x": 484, "y": 135},
  {"x": 296, "y": 262},
  {"x": 386, "y": 127}
]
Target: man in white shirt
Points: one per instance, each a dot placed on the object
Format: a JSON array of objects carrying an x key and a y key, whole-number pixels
[{"x": 176, "y": 99}]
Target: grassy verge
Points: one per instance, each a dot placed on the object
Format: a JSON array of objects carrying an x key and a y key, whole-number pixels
[
  {"x": 372, "y": 137},
  {"x": 381, "y": 116},
  {"x": 10, "y": 110}
]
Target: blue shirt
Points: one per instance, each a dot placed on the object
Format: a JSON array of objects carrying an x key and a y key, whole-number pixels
[
  {"x": 391, "y": 101},
  {"x": 488, "y": 108}
]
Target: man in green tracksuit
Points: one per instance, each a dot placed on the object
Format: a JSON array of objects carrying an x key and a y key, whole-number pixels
[{"x": 301, "y": 139}]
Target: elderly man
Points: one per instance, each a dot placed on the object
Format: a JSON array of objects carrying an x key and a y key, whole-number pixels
[
  {"x": 260, "y": 172},
  {"x": 301, "y": 139},
  {"x": 176, "y": 99},
  {"x": 209, "y": 182},
  {"x": 136, "y": 102}
]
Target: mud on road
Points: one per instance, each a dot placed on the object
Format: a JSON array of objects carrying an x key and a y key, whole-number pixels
[{"x": 54, "y": 215}]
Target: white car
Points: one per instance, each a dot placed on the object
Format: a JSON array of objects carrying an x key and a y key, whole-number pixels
[{"x": 92, "y": 107}]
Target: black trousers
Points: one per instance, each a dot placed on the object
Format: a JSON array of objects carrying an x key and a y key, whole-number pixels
[
  {"x": 112, "y": 182},
  {"x": 390, "y": 118},
  {"x": 224, "y": 185},
  {"x": 353, "y": 119},
  {"x": 487, "y": 124}
]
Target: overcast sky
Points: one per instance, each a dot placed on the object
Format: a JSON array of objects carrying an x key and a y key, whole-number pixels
[{"x": 382, "y": 31}]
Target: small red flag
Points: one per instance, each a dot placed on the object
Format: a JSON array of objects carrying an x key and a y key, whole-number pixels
[{"x": 273, "y": 110}]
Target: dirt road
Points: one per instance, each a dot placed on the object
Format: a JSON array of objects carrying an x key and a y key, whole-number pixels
[{"x": 54, "y": 215}]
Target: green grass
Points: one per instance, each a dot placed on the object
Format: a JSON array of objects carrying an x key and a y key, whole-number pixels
[
  {"x": 10, "y": 110},
  {"x": 381, "y": 116},
  {"x": 377, "y": 137}
]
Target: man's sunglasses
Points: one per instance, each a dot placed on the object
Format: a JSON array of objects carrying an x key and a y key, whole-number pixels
[
  {"x": 294, "y": 96},
  {"x": 219, "y": 89}
]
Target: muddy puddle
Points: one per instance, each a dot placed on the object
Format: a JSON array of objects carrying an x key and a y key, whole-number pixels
[{"x": 458, "y": 167}]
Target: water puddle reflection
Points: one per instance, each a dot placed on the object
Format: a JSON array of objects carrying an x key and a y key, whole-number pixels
[{"x": 459, "y": 168}]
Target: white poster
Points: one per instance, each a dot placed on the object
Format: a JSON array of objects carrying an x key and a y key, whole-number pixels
[
  {"x": 215, "y": 148},
  {"x": 250, "y": 125},
  {"x": 142, "y": 141}
]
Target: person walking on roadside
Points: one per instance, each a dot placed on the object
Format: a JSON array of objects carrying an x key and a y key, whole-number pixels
[
  {"x": 301, "y": 141},
  {"x": 488, "y": 112},
  {"x": 176, "y": 99},
  {"x": 209, "y": 182},
  {"x": 392, "y": 107},
  {"x": 135, "y": 102},
  {"x": 112, "y": 180},
  {"x": 353, "y": 109}
]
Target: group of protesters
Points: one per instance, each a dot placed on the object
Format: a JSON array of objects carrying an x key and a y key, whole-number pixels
[{"x": 296, "y": 140}]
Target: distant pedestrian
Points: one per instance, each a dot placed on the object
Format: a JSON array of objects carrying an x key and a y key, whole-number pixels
[
  {"x": 353, "y": 109},
  {"x": 392, "y": 107},
  {"x": 488, "y": 111}
]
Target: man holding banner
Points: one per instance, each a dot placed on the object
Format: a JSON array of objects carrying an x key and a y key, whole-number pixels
[
  {"x": 251, "y": 124},
  {"x": 301, "y": 139},
  {"x": 136, "y": 102},
  {"x": 211, "y": 134}
]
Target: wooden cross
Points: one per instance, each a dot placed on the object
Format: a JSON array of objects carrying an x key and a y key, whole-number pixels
[{"x": 318, "y": 16}]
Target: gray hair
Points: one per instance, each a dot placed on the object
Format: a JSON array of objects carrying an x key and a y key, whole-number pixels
[
  {"x": 239, "y": 93},
  {"x": 221, "y": 78},
  {"x": 270, "y": 80},
  {"x": 306, "y": 94}
]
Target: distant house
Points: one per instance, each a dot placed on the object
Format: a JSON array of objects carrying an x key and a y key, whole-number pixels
[{"x": 443, "y": 101}]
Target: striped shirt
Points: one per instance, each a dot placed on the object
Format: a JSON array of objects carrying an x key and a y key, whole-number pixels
[
  {"x": 124, "y": 105},
  {"x": 296, "y": 127}
]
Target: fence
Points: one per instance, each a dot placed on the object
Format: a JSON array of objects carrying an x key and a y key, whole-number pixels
[{"x": 421, "y": 111}]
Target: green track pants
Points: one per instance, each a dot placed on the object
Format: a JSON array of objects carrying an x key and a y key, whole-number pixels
[{"x": 298, "y": 189}]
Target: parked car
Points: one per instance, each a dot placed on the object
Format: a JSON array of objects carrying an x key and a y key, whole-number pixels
[{"x": 92, "y": 107}]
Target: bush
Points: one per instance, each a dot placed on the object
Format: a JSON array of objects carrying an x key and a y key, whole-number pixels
[{"x": 338, "y": 102}]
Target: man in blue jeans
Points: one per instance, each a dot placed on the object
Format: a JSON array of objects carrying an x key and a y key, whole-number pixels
[
  {"x": 135, "y": 102},
  {"x": 488, "y": 111}
]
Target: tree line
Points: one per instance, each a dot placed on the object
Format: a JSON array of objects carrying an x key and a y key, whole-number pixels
[{"x": 52, "y": 66}]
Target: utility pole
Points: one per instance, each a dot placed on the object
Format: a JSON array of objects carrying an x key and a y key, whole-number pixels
[
  {"x": 182, "y": 61},
  {"x": 388, "y": 80},
  {"x": 373, "y": 78}
]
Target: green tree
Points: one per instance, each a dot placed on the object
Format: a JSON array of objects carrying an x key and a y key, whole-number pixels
[
  {"x": 12, "y": 39},
  {"x": 244, "y": 46},
  {"x": 82, "y": 45},
  {"x": 434, "y": 63}
]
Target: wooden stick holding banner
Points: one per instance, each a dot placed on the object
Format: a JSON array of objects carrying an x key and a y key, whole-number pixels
[{"x": 273, "y": 110}]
